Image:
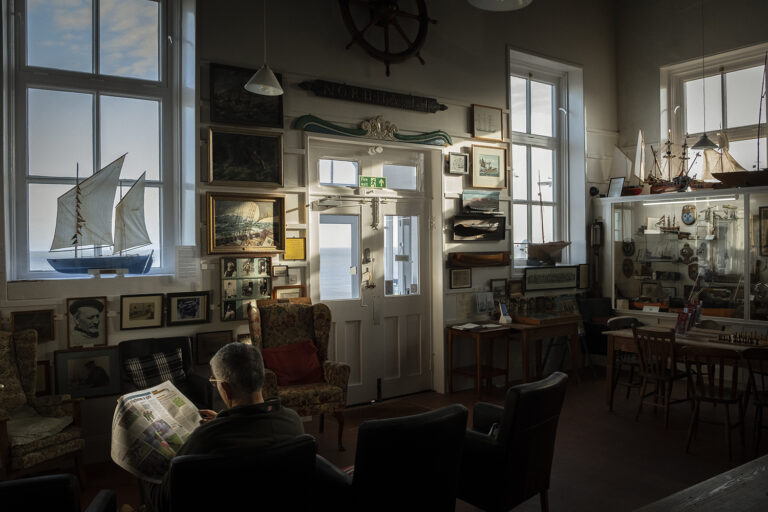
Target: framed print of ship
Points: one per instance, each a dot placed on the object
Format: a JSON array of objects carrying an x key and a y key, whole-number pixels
[
  {"x": 489, "y": 167},
  {"x": 245, "y": 223}
]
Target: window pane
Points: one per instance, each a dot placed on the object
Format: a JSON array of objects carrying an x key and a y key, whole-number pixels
[
  {"x": 694, "y": 101},
  {"x": 59, "y": 34},
  {"x": 60, "y": 133},
  {"x": 536, "y": 220},
  {"x": 401, "y": 177},
  {"x": 541, "y": 174},
  {"x": 695, "y": 163},
  {"x": 517, "y": 112},
  {"x": 338, "y": 240},
  {"x": 519, "y": 172},
  {"x": 132, "y": 126},
  {"x": 338, "y": 172},
  {"x": 401, "y": 255},
  {"x": 42, "y": 224},
  {"x": 541, "y": 108},
  {"x": 742, "y": 96},
  {"x": 745, "y": 152},
  {"x": 519, "y": 231},
  {"x": 129, "y": 35}
]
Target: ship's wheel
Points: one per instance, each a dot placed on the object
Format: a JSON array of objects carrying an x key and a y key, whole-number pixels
[{"x": 388, "y": 32}]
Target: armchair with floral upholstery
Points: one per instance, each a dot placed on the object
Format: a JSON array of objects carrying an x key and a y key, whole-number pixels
[
  {"x": 34, "y": 431},
  {"x": 279, "y": 327}
]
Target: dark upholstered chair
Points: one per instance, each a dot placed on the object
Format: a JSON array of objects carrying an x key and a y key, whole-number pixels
[
  {"x": 194, "y": 381},
  {"x": 277, "y": 325},
  {"x": 508, "y": 452},
  {"x": 51, "y": 492},
  {"x": 24, "y": 451},
  {"x": 280, "y": 477},
  {"x": 406, "y": 463},
  {"x": 757, "y": 360}
]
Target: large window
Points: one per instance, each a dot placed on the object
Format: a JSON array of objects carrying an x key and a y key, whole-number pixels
[
  {"x": 727, "y": 99},
  {"x": 537, "y": 192},
  {"x": 93, "y": 81}
]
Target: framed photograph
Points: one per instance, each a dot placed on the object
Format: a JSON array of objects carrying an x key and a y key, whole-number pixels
[
  {"x": 232, "y": 104},
  {"x": 478, "y": 228},
  {"x": 250, "y": 158},
  {"x": 141, "y": 311},
  {"x": 87, "y": 372},
  {"x": 289, "y": 292},
  {"x": 489, "y": 167},
  {"x": 43, "y": 375},
  {"x": 484, "y": 302},
  {"x": 480, "y": 201},
  {"x": 40, "y": 320},
  {"x": 86, "y": 322},
  {"x": 550, "y": 278},
  {"x": 487, "y": 122},
  {"x": 208, "y": 343},
  {"x": 458, "y": 163},
  {"x": 188, "y": 308},
  {"x": 280, "y": 271},
  {"x": 498, "y": 288},
  {"x": 245, "y": 224},
  {"x": 243, "y": 280},
  {"x": 461, "y": 278},
  {"x": 295, "y": 249},
  {"x": 763, "y": 230},
  {"x": 294, "y": 275},
  {"x": 614, "y": 188}
]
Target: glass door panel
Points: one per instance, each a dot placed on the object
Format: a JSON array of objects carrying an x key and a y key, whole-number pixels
[
  {"x": 401, "y": 255},
  {"x": 339, "y": 249}
]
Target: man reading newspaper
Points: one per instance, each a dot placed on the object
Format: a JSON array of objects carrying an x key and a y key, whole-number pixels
[{"x": 152, "y": 426}]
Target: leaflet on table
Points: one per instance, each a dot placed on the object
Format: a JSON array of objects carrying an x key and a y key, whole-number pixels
[
  {"x": 149, "y": 427},
  {"x": 466, "y": 326}
]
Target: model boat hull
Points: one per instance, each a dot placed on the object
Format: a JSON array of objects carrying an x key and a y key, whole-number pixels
[
  {"x": 742, "y": 178},
  {"x": 134, "y": 264}
]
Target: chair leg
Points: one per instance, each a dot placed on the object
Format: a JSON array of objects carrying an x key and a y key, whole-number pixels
[
  {"x": 667, "y": 392},
  {"x": 631, "y": 376},
  {"x": 728, "y": 429},
  {"x": 758, "y": 427},
  {"x": 340, "y": 419},
  {"x": 692, "y": 426},
  {"x": 544, "y": 500},
  {"x": 642, "y": 397}
]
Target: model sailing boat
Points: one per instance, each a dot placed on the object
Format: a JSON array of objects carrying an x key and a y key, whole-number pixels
[
  {"x": 81, "y": 221},
  {"x": 547, "y": 253}
]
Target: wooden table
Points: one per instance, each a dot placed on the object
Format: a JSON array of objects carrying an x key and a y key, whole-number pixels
[
  {"x": 525, "y": 333},
  {"x": 742, "y": 488},
  {"x": 623, "y": 340}
]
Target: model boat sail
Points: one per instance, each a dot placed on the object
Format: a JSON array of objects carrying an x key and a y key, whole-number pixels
[{"x": 81, "y": 221}]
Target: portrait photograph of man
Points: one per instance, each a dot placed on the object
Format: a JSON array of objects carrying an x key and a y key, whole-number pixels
[{"x": 86, "y": 321}]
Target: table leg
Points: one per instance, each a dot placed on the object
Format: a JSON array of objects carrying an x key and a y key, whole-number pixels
[
  {"x": 609, "y": 362},
  {"x": 525, "y": 355},
  {"x": 450, "y": 361},
  {"x": 575, "y": 353}
]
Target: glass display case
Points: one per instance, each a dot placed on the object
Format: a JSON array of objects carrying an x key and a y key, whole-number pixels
[{"x": 669, "y": 250}]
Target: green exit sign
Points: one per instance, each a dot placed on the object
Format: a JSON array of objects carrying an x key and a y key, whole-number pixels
[{"x": 372, "y": 182}]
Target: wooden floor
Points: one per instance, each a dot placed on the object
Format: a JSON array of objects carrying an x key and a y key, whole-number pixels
[{"x": 603, "y": 460}]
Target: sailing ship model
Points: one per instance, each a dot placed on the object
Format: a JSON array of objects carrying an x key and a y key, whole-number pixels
[
  {"x": 634, "y": 183},
  {"x": 656, "y": 179},
  {"x": 547, "y": 253},
  {"x": 81, "y": 221}
]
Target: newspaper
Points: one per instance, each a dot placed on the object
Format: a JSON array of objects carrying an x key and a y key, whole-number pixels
[{"x": 149, "y": 427}]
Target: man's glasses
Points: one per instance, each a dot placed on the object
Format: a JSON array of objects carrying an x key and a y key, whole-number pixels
[{"x": 214, "y": 381}]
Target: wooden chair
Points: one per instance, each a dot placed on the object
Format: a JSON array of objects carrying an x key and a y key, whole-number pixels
[
  {"x": 709, "y": 382},
  {"x": 757, "y": 361},
  {"x": 657, "y": 354},
  {"x": 625, "y": 361}
]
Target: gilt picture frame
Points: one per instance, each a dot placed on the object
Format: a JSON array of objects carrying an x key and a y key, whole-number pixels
[{"x": 246, "y": 224}]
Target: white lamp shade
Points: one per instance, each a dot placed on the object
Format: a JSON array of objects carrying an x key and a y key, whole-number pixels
[
  {"x": 264, "y": 82},
  {"x": 500, "y": 5}
]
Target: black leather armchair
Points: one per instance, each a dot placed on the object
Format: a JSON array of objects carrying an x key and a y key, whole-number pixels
[
  {"x": 51, "y": 492},
  {"x": 195, "y": 384},
  {"x": 279, "y": 477},
  {"x": 509, "y": 450},
  {"x": 406, "y": 463}
]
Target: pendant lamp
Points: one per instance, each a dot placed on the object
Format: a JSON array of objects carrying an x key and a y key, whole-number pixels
[
  {"x": 500, "y": 5},
  {"x": 264, "y": 81},
  {"x": 704, "y": 142}
]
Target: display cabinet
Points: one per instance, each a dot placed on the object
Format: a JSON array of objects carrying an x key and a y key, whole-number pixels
[{"x": 666, "y": 250}]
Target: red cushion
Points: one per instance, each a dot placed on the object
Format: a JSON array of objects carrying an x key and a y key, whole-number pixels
[{"x": 295, "y": 363}]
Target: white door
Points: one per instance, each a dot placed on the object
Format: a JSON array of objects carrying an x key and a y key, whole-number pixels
[{"x": 370, "y": 266}]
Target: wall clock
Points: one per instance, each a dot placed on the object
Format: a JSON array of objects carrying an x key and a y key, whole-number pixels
[{"x": 386, "y": 30}]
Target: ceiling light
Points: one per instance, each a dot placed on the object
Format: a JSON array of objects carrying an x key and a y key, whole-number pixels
[
  {"x": 264, "y": 80},
  {"x": 704, "y": 142},
  {"x": 500, "y": 5}
]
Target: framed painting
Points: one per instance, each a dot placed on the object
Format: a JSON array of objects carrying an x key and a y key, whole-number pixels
[
  {"x": 289, "y": 291},
  {"x": 40, "y": 320},
  {"x": 208, "y": 343},
  {"x": 460, "y": 278},
  {"x": 487, "y": 123},
  {"x": 614, "y": 188},
  {"x": 141, "y": 311},
  {"x": 458, "y": 163},
  {"x": 232, "y": 104},
  {"x": 245, "y": 224},
  {"x": 480, "y": 201},
  {"x": 43, "y": 376},
  {"x": 242, "y": 157},
  {"x": 550, "y": 278},
  {"x": 498, "y": 288},
  {"x": 188, "y": 308},
  {"x": 478, "y": 228},
  {"x": 87, "y": 372},
  {"x": 86, "y": 322},
  {"x": 489, "y": 167}
]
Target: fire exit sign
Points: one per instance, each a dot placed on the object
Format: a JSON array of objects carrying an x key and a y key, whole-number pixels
[{"x": 372, "y": 182}]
